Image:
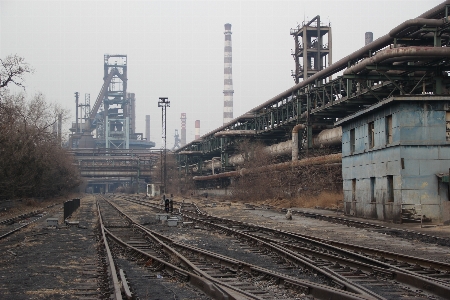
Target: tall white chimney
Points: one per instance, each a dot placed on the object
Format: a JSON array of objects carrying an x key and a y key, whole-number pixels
[
  {"x": 197, "y": 129},
  {"x": 228, "y": 78}
]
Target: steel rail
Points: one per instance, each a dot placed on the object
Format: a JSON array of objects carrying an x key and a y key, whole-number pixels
[
  {"x": 331, "y": 276},
  {"x": 188, "y": 263},
  {"x": 425, "y": 282},
  {"x": 432, "y": 285},
  {"x": 116, "y": 285},
  {"x": 22, "y": 226},
  {"x": 317, "y": 290}
]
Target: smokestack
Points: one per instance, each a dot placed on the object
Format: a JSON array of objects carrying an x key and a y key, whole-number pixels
[
  {"x": 228, "y": 78},
  {"x": 368, "y": 37},
  {"x": 147, "y": 128},
  {"x": 197, "y": 129},
  {"x": 183, "y": 129}
]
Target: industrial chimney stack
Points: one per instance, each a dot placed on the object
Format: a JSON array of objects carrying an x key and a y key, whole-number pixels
[
  {"x": 147, "y": 128},
  {"x": 183, "y": 129},
  {"x": 368, "y": 38},
  {"x": 228, "y": 79},
  {"x": 197, "y": 129}
]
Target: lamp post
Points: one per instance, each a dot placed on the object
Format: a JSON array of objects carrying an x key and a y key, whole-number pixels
[{"x": 163, "y": 103}]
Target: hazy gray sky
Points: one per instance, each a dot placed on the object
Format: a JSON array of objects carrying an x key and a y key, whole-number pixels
[{"x": 175, "y": 48}]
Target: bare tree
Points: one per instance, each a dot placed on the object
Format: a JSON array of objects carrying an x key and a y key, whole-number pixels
[
  {"x": 13, "y": 68},
  {"x": 32, "y": 162}
]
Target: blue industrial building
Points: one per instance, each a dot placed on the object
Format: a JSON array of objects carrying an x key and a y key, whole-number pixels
[{"x": 396, "y": 158}]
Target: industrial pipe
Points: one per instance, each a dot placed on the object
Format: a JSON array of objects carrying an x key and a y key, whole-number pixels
[
  {"x": 398, "y": 52},
  {"x": 376, "y": 45},
  {"x": 318, "y": 160},
  {"x": 191, "y": 152},
  {"x": 234, "y": 133},
  {"x": 326, "y": 138},
  {"x": 402, "y": 29}
]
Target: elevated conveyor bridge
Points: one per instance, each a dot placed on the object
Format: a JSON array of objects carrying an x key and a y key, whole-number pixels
[{"x": 412, "y": 59}]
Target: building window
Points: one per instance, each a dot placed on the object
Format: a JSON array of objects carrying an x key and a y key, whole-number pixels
[
  {"x": 371, "y": 135},
  {"x": 389, "y": 130},
  {"x": 352, "y": 141},
  {"x": 372, "y": 189},
  {"x": 447, "y": 123},
  {"x": 390, "y": 188},
  {"x": 353, "y": 190}
]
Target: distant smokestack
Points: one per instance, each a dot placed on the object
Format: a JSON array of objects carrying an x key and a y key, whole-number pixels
[
  {"x": 147, "y": 127},
  {"x": 197, "y": 129},
  {"x": 183, "y": 129},
  {"x": 132, "y": 104},
  {"x": 228, "y": 78},
  {"x": 368, "y": 37}
]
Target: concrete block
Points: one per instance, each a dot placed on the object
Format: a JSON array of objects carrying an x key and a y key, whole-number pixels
[
  {"x": 381, "y": 183},
  {"x": 444, "y": 153},
  {"x": 347, "y": 185},
  {"x": 414, "y": 152},
  {"x": 346, "y": 173},
  {"x": 420, "y": 183},
  {"x": 162, "y": 217},
  {"x": 432, "y": 211},
  {"x": 408, "y": 117},
  {"x": 413, "y": 135},
  {"x": 410, "y": 196},
  {"x": 380, "y": 169},
  {"x": 411, "y": 167},
  {"x": 436, "y": 135},
  {"x": 52, "y": 221},
  {"x": 435, "y": 118},
  {"x": 397, "y": 197},
  {"x": 393, "y": 167},
  {"x": 431, "y": 167},
  {"x": 397, "y": 180},
  {"x": 172, "y": 221}
]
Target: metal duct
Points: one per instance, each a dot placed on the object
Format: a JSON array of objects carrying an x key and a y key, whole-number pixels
[
  {"x": 398, "y": 52},
  {"x": 319, "y": 160},
  {"x": 326, "y": 138},
  {"x": 234, "y": 133},
  {"x": 376, "y": 45},
  {"x": 404, "y": 28}
]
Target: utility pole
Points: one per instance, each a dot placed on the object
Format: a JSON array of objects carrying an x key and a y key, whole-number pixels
[
  {"x": 163, "y": 103},
  {"x": 76, "y": 112}
]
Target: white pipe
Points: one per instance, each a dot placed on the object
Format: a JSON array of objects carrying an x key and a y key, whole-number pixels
[{"x": 326, "y": 138}]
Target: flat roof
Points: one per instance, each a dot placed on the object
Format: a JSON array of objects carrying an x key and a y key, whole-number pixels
[{"x": 388, "y": 101}]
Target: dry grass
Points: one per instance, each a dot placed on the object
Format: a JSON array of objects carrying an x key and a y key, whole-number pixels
[
  {"x": 328, "y": 200},
  {"x": 30, "y": 204}
]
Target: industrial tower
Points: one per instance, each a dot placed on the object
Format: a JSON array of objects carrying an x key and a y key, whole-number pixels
[
  {"x": 117, "y": 121},
  {"x": 228, "y": 78},
  {"x": 311, "y": 52},
  {"x": 183, "y": 129}
]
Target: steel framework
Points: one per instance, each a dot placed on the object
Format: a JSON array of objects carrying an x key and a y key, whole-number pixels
[{"x": 412, "y": 59}]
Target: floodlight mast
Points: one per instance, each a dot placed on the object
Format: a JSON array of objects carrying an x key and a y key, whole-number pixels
[{"x": 163, "y": 103}]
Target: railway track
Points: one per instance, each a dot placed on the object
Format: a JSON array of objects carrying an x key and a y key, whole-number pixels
[
  {"x": 13, "y": 225},
  {"x": 380, "y": 272},
  {"x": 228, "y": 277}
]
